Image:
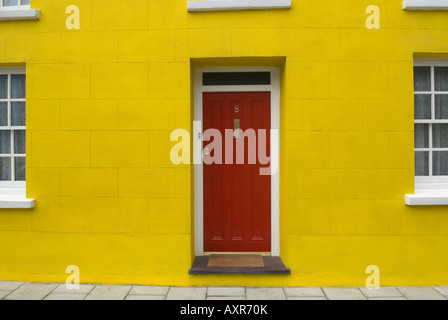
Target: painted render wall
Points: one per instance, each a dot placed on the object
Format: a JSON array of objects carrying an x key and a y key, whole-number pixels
[{"x": 103, "y": 100}]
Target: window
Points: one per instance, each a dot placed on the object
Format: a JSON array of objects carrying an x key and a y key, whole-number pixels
[
  {"x": 13, "y": 4},
  {"x": 236, "y": 78},
  {"x": 430, "y": 133},
  {"x": 12, "y": 128},
  {"x": 13, "y": 139},
  {"x": 431, "y": 122}
]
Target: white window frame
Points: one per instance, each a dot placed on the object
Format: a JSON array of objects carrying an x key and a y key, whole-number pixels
[
  {"x": 19, "y": 12},
  {"x": 221, "y": 5},
  {"x": 430, "y": 190},
  {"x": 199, "y": 89},
  {"x": 13, "y": 193}
]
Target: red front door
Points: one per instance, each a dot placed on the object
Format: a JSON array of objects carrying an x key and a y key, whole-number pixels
[{"x": 237, "y": 199}]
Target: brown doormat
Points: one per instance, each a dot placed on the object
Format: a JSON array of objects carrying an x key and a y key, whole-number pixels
[{"x": 236, "y": 261}]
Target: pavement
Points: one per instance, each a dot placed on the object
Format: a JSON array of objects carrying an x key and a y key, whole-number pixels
[{"x": 10, "y": 290}]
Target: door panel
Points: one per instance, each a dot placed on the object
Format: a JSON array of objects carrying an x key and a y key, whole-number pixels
[{"x": 237, "y": 199}]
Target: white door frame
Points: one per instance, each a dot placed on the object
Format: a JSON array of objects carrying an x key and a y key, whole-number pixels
[{"x": 199, "y": 89}]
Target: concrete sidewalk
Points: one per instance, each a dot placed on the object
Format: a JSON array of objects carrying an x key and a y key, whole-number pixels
[{"x": 57, "y": 291}]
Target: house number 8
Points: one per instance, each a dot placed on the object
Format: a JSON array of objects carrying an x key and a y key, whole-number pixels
[{"x": 237, "y": 109}]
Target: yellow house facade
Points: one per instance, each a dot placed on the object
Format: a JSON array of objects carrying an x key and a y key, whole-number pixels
[{"x": 358, "y": 94}]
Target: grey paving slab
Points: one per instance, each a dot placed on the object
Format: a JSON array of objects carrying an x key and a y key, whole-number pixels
[
  {"x": 226, "y": 291},
  {"x": 106, "y": 292},
  {"x": 304, "y": 292},
  {"x": 10, "y": 285},
  {"x": 144, "y": 297},
  {"x": 228, "y": 298},
  {"x": 382, "y": 292},
  {"x": 421, "y": 293},
  {"x": 442, "y": 290},
  {"x": 186, "y": 293},
  {"x": 344, "y": 294},
  {"x": 265, "y": 294},
  {"x": 32, "y": 291},
  {"x": 307, "y": 298},
  {"x": 4, "y": 293},
  {"x": 83, "y": 288},
  {"x": 66, "y": 296},
  {"x": 389, "y": 298},
  {"x": 149, "y": 290}
]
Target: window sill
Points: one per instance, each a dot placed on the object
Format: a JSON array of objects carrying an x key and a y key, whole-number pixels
[
  {"x": 428, "y": 194},
  {"x": 425, "y": 4},
  {"x": 15, "y": 198},
  {"x": 221, "y": 5},
  {"x": 16, "y": 202},
  {"x": 19, "y": 14},
  {"x": 426, "y": 199}
]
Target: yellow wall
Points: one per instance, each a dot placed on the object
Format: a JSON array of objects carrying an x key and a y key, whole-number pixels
[{"x": 103, "y": 100}]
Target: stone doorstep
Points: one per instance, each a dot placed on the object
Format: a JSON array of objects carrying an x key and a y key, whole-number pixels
[{"x": 272, "y": 265}]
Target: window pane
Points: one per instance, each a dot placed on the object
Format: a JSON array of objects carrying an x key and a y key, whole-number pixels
[
  {"x": 440, "y": 163},
  {"x": 236, "y": 78},
  {"x": 18, "y": 113},
  {"x": 422, "y": 163},
  {"x": 422, "y": 78},
  {"x": 18, "y": 86},
  {"x": 5, "y": 169},
  {"x": 440, "y": 135},
  {"x": 422, "y": 109},
  {"x": 5, "y": 142},
  {"x": 19, "y": 164},
  {"x": 3, "y": 114},
  {"x": 441, "y": 78},
  {"x": 421, "y": 135},
  {"x": 3, "y": 86},
  {"x": 19, "y": 142},
  {"x": 8, "y": 3},
  {"x": 26, "y": 2},
  {"x": 441, "y": 106}
]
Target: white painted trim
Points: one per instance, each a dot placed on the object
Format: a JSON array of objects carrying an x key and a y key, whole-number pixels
[
  {"x": 19, "y": 7},
  {"x": 220, "y": 5},
  {"x": 16, "y": 202},
  {"x": 428, "y": 193},
  {"x": 15, "y": 198},
  {"x": 19, "y": 14},
  {"x": 428, "y": 199},
  {"x": 13, "y": 70},
  {"x": 425, "y": 4},
  {"x": 199, "y": 89}
]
